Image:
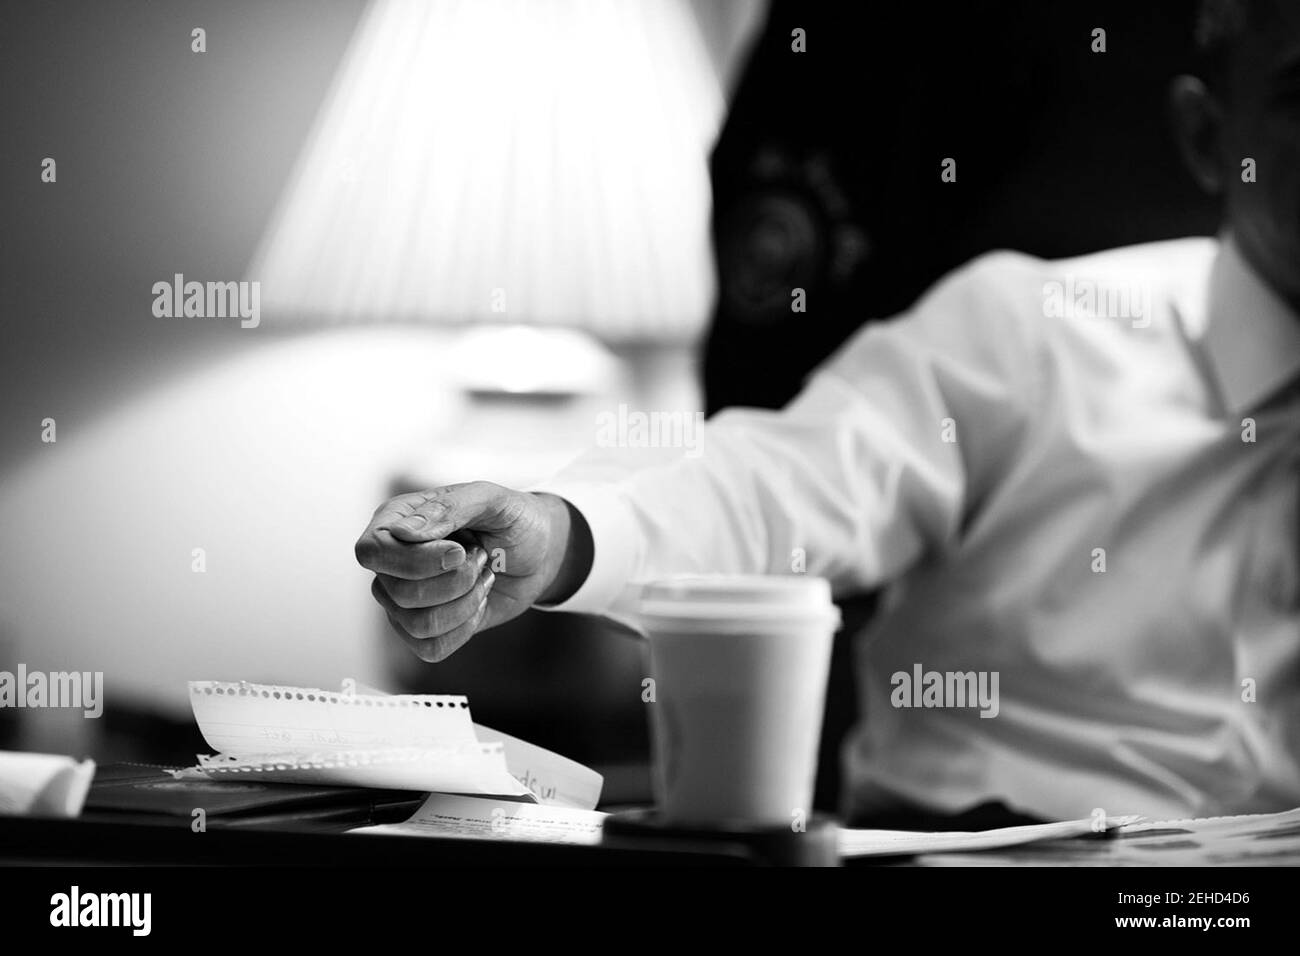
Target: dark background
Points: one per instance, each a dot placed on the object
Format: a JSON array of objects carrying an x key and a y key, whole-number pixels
[{"x": 826, "y": 176}]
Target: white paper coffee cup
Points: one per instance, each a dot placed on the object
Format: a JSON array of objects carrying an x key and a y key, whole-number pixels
[{"x": 740, "y": 665}]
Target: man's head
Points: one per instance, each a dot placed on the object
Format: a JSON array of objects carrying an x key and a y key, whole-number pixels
[{"x": 1244, "y": 104}]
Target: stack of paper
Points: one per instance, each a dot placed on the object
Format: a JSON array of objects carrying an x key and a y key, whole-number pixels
[
  {"x": 859, "y": 843},
  {"x": 1246, "y": 840},
  {"x": 477, "y": 818}
]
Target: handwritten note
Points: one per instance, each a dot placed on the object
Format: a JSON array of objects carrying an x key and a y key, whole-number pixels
[{"x": 552, "y": 779}]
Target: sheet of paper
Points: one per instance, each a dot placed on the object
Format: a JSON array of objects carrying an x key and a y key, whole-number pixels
[
  {"x": 858, "y": 843},
  {"x": 43, "y": 784},
  {"x": 1246, "y": 840},
  {"x": 1271, "y": 839},
  {"x": 306, "y": 735},
  {"x": 242, "y": 719},
  {"x": 554, "y": 780},
  {"x": 448, "y": 816},
  {"x": 475, "y": 768},
  {"x": 1245, "y": 825}
]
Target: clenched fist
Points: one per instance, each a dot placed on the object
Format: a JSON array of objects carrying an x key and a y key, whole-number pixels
[{"x": 457, "y": 560}]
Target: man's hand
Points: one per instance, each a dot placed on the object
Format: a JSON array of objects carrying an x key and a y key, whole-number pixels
[{"x": 457, "y": 560}]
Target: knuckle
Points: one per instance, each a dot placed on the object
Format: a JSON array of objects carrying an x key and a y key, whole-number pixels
[
  {"x": 379, "y": 590},
  {"x": 396, "y": 626},
  {"x": 513, "y": 506},
  {"x": 456, "y": 639},
  {"x": 405, "y": 594},
  {"x": 431, "y": 622},
  {"x": 407, "y": 622},
  {"x": 415, "y": 563},
  {"x": 409, "y": 601},
  {"x": 445, "y": 497},
  {"x": 438, "y": 496},
  {"x": 433, "y": 650},
  {"x": 466, "y": 575}
]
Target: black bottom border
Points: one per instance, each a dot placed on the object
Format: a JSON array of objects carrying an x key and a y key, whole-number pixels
[{"x": 333, "y": 904}]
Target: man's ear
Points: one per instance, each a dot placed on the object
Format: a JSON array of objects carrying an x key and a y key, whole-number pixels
[{"x": 1198, "y": 126}]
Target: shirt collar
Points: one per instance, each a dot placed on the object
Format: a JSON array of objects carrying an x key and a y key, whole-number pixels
[{"x": 1251, "y": 336}]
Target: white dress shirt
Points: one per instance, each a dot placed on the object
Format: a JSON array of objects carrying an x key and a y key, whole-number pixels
[{"x": 985, "y": 455}]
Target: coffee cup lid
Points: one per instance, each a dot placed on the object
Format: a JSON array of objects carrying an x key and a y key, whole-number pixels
[{"x": 738, "y": 596}]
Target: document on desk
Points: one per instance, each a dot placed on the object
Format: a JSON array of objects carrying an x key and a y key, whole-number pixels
[
  {"x": 450, "y": 816},
  {"x": 862, "y": 843},
  {"x": 423, "y": 742},
  {"x": 1286, "y": 823},
  {"x": 1245, "y": 840},
  {"x": 1263, "y": 839}
]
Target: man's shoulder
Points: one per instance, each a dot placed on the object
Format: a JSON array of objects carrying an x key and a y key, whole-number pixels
[
  {"x": 1134, "y": 285},
  {"x": 1168, "y": 262}
]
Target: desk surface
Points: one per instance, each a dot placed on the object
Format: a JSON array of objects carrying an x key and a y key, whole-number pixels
[
  {"x": 138, "y": 814},
  {"x": 152, "y": 840}
]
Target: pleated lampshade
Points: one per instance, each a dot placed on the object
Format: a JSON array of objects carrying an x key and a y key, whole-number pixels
[{"x": 542, "y": 162}]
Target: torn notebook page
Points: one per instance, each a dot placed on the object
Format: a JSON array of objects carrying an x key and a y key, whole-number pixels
[
  {"x": 312, "y": 736},
  {"x": 403, "y": 742}
]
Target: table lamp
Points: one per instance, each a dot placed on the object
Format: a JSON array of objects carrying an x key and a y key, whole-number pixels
[{"x": 537, "y": 162}]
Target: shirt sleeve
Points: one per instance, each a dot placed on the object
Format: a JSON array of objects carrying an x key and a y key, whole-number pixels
[{"x": 882, "y": 458}]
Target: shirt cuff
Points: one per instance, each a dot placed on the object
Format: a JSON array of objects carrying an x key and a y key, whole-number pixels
[{"x": 614, "y": 545}]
